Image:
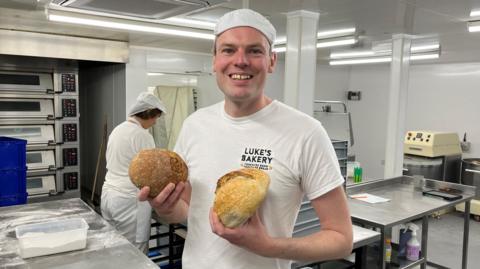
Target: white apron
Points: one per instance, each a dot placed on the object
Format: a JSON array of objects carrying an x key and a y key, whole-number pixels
[{"x": 128, "y": 215}]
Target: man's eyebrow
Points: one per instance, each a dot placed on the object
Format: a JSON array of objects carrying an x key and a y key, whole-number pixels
[{"x": 227, "y": 45}]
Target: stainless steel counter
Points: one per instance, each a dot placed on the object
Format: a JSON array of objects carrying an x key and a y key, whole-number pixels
[
  {"x": 106, "y": 248},
  {"x": 406, "y": 204}
]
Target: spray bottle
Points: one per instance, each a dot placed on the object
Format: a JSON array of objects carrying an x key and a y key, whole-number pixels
[{"x": 413, "y": 246}]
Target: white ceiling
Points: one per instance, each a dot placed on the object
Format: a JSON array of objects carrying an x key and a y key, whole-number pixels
[{"x": 376, "y": 20}]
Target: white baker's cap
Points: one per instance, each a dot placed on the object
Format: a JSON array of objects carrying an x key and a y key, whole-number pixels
[
  {"x": 146, "y": 101},
  {"x": 246, "y": 17}
]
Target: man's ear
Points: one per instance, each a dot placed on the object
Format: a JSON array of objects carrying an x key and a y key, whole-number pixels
[
  {"x": 213, "y": 63},
  {"x": 273, "y": 62}
]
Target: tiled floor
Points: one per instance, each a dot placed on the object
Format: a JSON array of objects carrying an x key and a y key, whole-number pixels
[{"x": 445, "y": 237}]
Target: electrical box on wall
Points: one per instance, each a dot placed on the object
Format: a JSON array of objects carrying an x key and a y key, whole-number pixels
[{"x": 354, "y": 95}]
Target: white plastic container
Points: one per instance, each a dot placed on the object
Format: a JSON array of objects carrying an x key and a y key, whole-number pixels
[{"x": 51, "y": 237}]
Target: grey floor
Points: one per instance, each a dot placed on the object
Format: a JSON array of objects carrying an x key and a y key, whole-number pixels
[
  {"x": 445, "y": 237},
  {"x": 445, "y": 241}
]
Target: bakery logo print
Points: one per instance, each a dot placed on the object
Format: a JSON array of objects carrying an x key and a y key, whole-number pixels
[{"x": 257, "y": 158}]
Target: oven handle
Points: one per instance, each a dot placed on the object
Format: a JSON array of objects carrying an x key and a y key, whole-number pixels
[
  {"x": 53, "y": 143},
  {"x": 53, "y": 168}
]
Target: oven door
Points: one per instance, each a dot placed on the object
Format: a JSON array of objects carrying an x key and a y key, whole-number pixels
[
  {"x": 41, "y": 160},
  {"x": 23, "y": 82},
  {"x": 26, "y": 108},
  {"x": 38, "y": 185},
  {"x": 34, "y": 134}
]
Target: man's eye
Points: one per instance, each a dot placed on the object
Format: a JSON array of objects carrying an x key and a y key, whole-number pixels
[
  {"x": 227, "y": 50},
  {"x": 256, "y": 51}
]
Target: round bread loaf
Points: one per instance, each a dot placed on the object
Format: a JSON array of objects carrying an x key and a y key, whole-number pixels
[
  {"x": 239, "y": 194},
  {"x": 156, "y": 168}
]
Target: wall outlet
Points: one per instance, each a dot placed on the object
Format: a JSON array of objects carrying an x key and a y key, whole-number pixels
[{"x": 354, "y": 95}]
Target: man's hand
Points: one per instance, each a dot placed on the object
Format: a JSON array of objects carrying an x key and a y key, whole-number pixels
[
  {"x": 251, "y": 235},
  {"x": 166, "y": 201}
]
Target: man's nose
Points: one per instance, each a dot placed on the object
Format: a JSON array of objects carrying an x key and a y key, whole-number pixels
[{"x": 241, "y": 59}]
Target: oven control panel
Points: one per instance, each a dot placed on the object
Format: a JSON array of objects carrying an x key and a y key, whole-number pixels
[
  {"x": 69, "y": 107},
  {"x": 69, "y": 131},
  {"x": 70, "y": 157},
  {"x": 70, "y": 180},
  {"x": 69, "y": 83}
]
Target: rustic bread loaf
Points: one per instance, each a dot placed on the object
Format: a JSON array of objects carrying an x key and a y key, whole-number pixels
[
  {"x": 239, "y": 194},
  {"x": 156, "y": 168}
]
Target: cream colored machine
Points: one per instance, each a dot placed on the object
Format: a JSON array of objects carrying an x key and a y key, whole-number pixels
[
  {"x": 431, "y": 144},
  {"x": 435, "y": 155}
]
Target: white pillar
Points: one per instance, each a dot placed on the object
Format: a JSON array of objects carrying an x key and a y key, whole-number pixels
[
  {"x": 301, "y": 60},
  {"x": 136, "y": 79},
  {"x": 397, "y": 105}
]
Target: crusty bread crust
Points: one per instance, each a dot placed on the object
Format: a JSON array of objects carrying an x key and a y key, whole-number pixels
[
  {"x": 156, "y": 168},
  {"x": 239, "y": 194}
]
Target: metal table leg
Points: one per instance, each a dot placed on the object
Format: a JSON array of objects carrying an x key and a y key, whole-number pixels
[
  {"x": 382, "y": 248},
  {"x": 424, "y": 241},
  {"x": 466, "y": 231},
  {"x": 361, "y": 258}
]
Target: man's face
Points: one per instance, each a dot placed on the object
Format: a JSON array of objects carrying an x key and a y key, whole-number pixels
[{"x": 241, "y": 63}]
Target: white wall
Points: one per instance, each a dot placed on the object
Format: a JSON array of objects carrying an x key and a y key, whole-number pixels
[
  {"x": 441, "y": 97},
  {"x": 446, "y": 98}
]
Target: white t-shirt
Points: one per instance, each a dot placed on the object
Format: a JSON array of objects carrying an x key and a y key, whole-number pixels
[
  {"x": 290, "y": 146},
  {"x": 125, "y": 141}
]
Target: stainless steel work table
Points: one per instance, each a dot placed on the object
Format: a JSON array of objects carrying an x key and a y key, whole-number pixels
[
  {"x": 106, "y": 248},
  {"x": 406, "y": 204}
]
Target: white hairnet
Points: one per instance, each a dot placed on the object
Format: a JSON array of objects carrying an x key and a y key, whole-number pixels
[
  {"x": 246, "y": 17},
  {"x": 146, "y": 101}
]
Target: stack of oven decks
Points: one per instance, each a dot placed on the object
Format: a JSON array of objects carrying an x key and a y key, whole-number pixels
[{"x": 43, "y": 108}]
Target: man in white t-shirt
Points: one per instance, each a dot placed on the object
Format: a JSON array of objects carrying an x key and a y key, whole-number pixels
[{"x": 248, "y": 129}]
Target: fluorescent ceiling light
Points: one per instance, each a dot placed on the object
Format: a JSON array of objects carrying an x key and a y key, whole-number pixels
[
  {"x": 334, "y": 43},
  {"x": 474, "y": 26},
  {"x": 361, "y": 61},
  {"x": 353, "y": 54},
  {"x": 425, "y": 47},
  {"x": 475, "y": 13},
  {"x": 132, "y": 26},
  {"x": 338, "y": 32},
  {"x": 382, "y": 59},
  {"x": 324, "y": 44},
  {"x": 385, "y": 52},
  {"x": 324, "y": 34},
  {"x": 155, "y": 74}
]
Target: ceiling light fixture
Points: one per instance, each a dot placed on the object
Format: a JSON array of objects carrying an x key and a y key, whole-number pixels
[
  {"x": 155, "y": 74},
  {"x": 128, "y": 25},
  {"x": 382, "y": 59},
  {"x": 425, "y": 47},
  {"x": 474, "y": 26},
  {"x": 432, "y": 47},
  {"x": 475, "y": 13},
  {"x": 361, "y": 61},
  {"x": 353, "y": 54},
  {"x": 334, "y": 43},
  {"x": 338, "y": 32},
  {"x": 325, "y": 39}
]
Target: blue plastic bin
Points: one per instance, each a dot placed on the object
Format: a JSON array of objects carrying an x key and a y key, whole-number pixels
[
  {"x": 12, "y": 153},
  {"x": 13, "y": 171},
  {"x": 13, "y": 190}
]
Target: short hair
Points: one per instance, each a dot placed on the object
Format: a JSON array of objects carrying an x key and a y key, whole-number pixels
[{"x": 149, "y": 114}]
